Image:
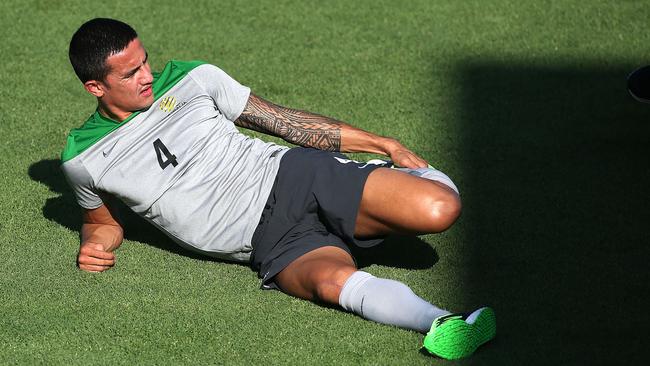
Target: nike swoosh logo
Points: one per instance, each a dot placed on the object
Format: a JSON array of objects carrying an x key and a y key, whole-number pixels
[
  {"x": 368, "y": 163},
  {"x": 106, "y": 153}
]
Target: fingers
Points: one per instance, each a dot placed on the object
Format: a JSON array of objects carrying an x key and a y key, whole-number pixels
[
  {"x": 91, "y": 264},
  {"x": 97, "y": 251},
  {"x": 93, "y": 258},
  {"x": 408, "y": 159},
  {"x": 404, "y": 157},
  {"x": 92, "y": 268},
  {"x": 417, "y": 162}
]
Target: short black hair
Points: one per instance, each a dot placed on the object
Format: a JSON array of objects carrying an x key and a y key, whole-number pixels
[{"x": 94, "y": 42}]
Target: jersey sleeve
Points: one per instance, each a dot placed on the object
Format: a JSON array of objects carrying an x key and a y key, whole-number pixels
[
  {"x": 81, "y": 183},
  {"x": 229, "y": 95}
]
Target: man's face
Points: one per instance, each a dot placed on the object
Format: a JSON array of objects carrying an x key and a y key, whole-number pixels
[{"x": 127, "y": 87}]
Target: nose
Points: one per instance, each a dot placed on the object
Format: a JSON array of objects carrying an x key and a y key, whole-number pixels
[{"x": 147, "y": 77}]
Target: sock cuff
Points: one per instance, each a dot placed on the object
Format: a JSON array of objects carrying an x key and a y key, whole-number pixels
[
  {"x": 351, "y": 285},
  {"x": 432, "y": 173}
]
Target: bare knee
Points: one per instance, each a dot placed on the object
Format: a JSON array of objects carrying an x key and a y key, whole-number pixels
[
  {"x": 329, "y": 283},
  {"x": 318, "y": 275},
  {"x": 441, "y": 210}
]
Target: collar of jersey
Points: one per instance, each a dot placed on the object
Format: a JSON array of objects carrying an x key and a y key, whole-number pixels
[{"x": 101, "y": 118}]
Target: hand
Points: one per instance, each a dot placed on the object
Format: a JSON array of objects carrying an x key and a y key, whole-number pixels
[
  {"x": 401, "y": 156},
  {"x": 93, "y": 258}
]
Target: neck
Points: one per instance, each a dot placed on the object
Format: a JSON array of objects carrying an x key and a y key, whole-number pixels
[{"x": 111, "y": 113}]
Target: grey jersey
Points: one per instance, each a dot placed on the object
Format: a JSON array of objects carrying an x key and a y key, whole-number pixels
[{"x": 181, "y": 164}]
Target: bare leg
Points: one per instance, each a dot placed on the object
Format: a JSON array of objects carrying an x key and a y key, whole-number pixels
[
  {"x": 392, "y": 202},
  {"x": 318, "y": 275},
  {"x": 396, "y": 202},
  {"x": 328, "y": 274}
]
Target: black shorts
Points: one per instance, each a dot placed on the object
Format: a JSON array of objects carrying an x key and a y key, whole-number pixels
[{"x": 313, "y": 203}]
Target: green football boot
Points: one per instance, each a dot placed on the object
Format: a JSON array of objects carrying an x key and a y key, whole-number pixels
[{"x": 456, "y": 336}]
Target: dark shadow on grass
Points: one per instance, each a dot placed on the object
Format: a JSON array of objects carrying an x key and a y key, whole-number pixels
[
  {"x": 406, "y": 252},
  {"x": 556, "y": 181},
  {"x": 400, "y": 252}
]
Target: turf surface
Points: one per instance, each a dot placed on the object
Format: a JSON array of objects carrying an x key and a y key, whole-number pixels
[{"x": 523, "y": 104}]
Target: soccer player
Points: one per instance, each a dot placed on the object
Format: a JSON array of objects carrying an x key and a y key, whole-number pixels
[{"x": 166, "y": 145}]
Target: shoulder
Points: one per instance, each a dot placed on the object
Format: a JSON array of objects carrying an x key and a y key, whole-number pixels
[
  {"x": 176, "y": 70},
  {"x": 173, "y": 72},
  {"x": 92, "y": 130}
]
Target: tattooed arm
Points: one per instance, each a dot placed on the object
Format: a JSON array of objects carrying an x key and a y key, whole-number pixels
[{"x": 312, "y": 130}]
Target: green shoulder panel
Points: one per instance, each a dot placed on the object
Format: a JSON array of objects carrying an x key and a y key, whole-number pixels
[
  {"x": 173, "y": 72},
  {"x": 98, "y": 126}
]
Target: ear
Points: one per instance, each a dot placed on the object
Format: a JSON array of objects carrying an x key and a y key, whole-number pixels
[{"x": 95, "y": 88}]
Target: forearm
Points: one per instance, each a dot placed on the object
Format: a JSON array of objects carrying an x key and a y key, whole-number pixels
[
  {"x": 311, "y": 130},
  {"x": 320, "y": 132},
  {"x": 109, "y": 236}
]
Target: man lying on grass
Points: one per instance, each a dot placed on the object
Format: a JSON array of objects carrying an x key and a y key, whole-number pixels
[{"x": 166, "y": 145}]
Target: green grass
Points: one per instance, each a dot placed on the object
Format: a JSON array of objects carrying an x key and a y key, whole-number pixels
[{"x": 523, "y": 104}]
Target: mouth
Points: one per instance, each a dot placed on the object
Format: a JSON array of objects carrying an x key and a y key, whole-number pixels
[{"x": 146, "y": 92}]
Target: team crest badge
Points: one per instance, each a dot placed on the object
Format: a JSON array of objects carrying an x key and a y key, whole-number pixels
[{"x": 167, "y": 104}]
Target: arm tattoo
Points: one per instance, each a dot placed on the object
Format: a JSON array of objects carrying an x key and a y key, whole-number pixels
[{"x": 295, "y": 126}]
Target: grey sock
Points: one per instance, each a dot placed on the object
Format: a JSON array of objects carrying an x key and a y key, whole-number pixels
[
  {"x": 388, "y": 302},
  {"x": 432, "y": 173}
]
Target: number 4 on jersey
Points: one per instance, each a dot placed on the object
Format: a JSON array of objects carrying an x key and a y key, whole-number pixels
[{"x": 161, "y": 150}]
